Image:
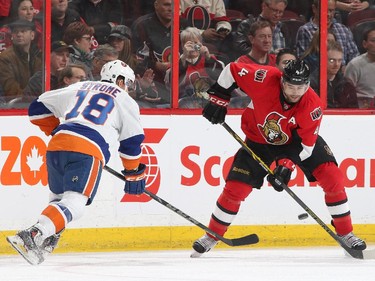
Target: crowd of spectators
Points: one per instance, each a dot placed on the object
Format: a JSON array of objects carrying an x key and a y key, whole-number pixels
[{"x": 85, "y": 34}]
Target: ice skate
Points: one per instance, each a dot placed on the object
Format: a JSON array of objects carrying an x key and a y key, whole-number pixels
[
  {"x": 49, "y": 244},
  {"x": 203, "y": 245},
  {"x": 26, "y": 243},
  {"x": 353, "y": 241}
]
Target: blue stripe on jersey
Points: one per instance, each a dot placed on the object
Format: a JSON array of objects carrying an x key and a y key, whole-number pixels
[
  {"x": 131, "y": 145},
  {"x": 88, "y": 133},
  {"x": 66, "y": 212},
  {"x": 37, "y": 108}
]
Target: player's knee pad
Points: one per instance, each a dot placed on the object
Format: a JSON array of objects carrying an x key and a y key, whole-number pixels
[
  {"x": 237, "y": 191},
  {"x": 75, "y": 203},
  {"x": 330, "y": 178}
]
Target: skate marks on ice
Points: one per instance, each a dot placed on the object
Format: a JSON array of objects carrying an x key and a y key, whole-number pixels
[{"x": 281, "y": 264}]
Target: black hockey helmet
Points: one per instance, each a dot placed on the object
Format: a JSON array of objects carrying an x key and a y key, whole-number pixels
[{"x": 296, "y": 72}]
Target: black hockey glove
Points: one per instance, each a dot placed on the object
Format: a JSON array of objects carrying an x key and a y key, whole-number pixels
[
  {"x": 216, "y": 109},
  {"x": 135, "y": 180},
  {"x": 281, "y": 174}
]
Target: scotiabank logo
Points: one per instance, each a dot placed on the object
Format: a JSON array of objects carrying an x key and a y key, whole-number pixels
[
  {"x": 357, "y": 172},
  {"x": 24, "y": 164},
  {"x": 198, "y": 171}
]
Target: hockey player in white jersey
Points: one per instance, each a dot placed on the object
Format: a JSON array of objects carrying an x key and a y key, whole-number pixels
[{"x": 82, "y": 119}]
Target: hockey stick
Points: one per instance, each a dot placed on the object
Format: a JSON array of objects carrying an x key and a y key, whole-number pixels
[
  {"x": 358, "y": 254},
  {"x": 246, "y": 240}
]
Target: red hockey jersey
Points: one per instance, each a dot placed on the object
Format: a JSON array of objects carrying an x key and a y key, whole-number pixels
[{"x": 268, "y": 118}]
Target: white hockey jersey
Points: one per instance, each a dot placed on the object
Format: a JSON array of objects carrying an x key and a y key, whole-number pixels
[{"x": 86, "y": 117}]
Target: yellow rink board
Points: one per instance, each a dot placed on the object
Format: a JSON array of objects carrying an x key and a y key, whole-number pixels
[{"x": 182, "y": 237}]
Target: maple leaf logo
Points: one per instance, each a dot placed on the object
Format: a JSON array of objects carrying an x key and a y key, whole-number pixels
[{"x": 34, "y": 160}]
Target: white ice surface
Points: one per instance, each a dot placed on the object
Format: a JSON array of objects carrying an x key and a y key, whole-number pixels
[{"x": 290, "y": 264}]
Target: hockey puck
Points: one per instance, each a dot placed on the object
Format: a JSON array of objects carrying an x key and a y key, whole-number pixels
[{"x": 303, "y": 216}]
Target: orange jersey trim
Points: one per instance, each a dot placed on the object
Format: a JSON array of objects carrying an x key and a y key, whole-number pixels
[
  {"x": 130, "y": 164},
  {"x": 67, "y": 142},
  {"x": 89, "y": 188},
  {"x": 47, "y": 124}
]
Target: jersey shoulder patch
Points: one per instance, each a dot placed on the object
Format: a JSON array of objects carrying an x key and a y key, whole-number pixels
[{"x": 316, "y": 114}]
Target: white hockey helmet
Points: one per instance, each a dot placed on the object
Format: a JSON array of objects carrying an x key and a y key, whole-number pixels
[{"x": 113, "y": 69}]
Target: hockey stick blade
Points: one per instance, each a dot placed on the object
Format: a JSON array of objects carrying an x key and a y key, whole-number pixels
[
  {"x": 358, "y": 254},
  {"x": 369, "y": 254},
  {"x": 242, "y": 241}
]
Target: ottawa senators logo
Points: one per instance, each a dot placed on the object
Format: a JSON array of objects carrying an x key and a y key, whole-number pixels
[
  {"x": 271, "y": 129},
  {"x": 201, "y": 85},
  {"x": 165, "y": 56},
  {"x": 198, "y": 16}
]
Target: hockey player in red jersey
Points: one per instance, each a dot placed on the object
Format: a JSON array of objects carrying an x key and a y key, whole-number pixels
[
  {"x": 83, "y": 119},
  {"x": 281, "y": 124}
]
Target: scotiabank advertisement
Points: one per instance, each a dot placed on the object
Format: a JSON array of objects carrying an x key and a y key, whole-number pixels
[{"x": 187, "y": 160}]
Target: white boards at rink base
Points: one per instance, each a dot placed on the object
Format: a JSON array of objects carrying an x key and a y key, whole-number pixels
[{"x": 188, "y": 158}]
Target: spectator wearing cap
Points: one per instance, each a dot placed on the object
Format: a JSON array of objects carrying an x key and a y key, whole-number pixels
[
  {"x": 78, "y": 35},
  {"x": 99, "y": 15},
  {"x": 61, "y": 17},
  {"x": 20, "y": 61},
  {"x": 120, "y": 39},
  {"x": 59, "y": 59},
  {"x": 145, "y": 90},
  {"x": 103, "y": 54},
  {"x": 21, "y": 9}
]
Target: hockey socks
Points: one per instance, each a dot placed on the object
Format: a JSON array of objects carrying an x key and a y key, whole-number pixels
[
  {"x": 228, "y": 205},
  {"x": 331, "y": 180}
]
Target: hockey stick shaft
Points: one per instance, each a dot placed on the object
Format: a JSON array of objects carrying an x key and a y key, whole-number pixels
[
  {"x": 354, "y": 253},
  {"x": 246, "y": 240}
]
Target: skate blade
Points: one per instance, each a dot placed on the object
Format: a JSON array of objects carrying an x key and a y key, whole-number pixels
[
  {"x": 195, "y": 255},
  {"x": 17, "y": 244}
]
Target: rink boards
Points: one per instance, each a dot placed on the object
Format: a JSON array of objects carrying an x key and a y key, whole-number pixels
[{"x": 188, "y": 159}]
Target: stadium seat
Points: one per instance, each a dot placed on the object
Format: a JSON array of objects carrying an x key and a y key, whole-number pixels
[
  {"x": 234, "y": 14},
  {"x": 253, "y": 7},
  {"x": 301, "y": 8},
  {"x": 235, "y": 17},
  {"x": 358, "y": 30},
  {"x": 359, "y": 16},
  {"x": 288, "y": 14},
  {"x": 290, "y": 28}
]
